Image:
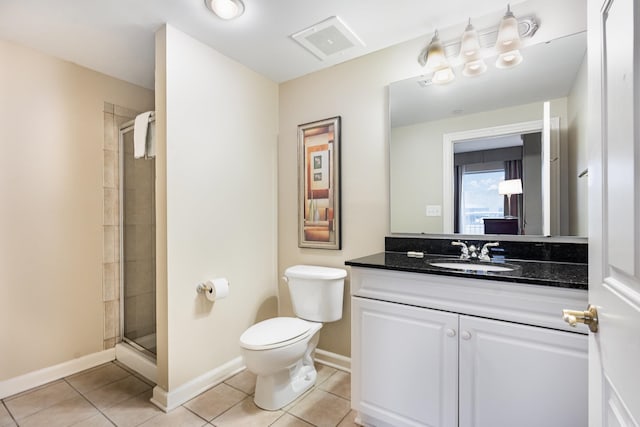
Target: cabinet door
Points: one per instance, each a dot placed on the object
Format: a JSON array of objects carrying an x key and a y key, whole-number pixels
[
  {"x": 517, "y": 375},
  {"x": 406, "y": 364}
]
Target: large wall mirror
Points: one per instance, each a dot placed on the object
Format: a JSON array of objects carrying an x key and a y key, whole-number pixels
[{"x": 455, "y": 149}]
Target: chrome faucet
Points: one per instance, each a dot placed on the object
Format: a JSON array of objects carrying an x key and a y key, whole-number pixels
[
  {"x": 484, "y": 253},
  {"x": 464, "y": 249},
  {"x": 471, "y": 251}
]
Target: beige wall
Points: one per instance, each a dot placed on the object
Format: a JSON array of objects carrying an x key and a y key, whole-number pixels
[
  {"x": 216, "y": 173},
  {"x": 357, "y": 91},
  {"x": 51, "y": 213}
]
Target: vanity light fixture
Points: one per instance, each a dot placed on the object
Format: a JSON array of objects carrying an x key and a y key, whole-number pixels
[
  {"x": 470, "y": 50},
  {"x": 508, "y": 41},
  {"x": 436, "y": 62},
  {"x": 225, "y": 9},
  {"x": 470, "y": 53}
]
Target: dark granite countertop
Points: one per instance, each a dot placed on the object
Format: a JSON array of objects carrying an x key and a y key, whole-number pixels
[{"x": 545, "y": 273}]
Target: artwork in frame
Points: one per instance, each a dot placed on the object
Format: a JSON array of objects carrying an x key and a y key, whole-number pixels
[{"x": 319, "y": 220}]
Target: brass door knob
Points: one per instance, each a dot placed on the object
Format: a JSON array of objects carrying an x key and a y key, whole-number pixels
[{"x": 588, "y": 317}]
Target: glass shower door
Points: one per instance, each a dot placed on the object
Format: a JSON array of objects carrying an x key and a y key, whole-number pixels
[{"x": 138, "y": 292}]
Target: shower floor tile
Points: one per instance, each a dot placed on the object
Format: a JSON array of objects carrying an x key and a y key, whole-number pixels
[{"x": 111, "y": 395}]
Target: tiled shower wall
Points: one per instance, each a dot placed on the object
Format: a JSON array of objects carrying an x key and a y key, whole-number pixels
[{"x": 114, "y": 116}]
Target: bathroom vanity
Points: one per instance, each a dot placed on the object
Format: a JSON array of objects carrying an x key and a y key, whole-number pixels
[{"x": 440, "y": 347}]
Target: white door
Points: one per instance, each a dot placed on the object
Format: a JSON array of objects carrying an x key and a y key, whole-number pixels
[
  {"x": 517, "y": 375},
  {"x": 614, "y": 212},
  {"x": 407, "y": 374}
]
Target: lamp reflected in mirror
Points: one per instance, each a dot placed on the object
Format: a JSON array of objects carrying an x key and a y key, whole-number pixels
[
  {"x": 509, "y": 59},
  {"x": 508, "y": 188},
  {"x": 474, "y": 68}
]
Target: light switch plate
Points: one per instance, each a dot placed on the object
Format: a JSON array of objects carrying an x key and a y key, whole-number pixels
[{"x": 434, "y": 210}]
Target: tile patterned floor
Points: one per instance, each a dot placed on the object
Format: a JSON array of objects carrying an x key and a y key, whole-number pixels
[{"x": 111, "y": 395}]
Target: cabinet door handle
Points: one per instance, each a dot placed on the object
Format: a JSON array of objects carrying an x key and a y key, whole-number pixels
[
  {"x": 466, "y": 335},
  {"x": 451, "y": 332}
]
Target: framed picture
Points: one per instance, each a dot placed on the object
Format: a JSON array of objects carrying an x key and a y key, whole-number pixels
[{"x": 319, "y": 184}]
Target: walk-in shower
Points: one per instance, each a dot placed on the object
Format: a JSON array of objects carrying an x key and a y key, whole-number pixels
[{"x": 137, "y": 247}]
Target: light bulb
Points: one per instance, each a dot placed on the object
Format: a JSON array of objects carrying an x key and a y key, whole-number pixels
[
  {"x": 474, "y": 68},
  {"x": 443, "y": 76},
  {"x": 509, "y": 59}
]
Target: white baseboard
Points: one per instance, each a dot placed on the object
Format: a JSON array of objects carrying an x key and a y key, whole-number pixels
[
  {"x": 172, "y": 399},
  {"x": 168, "y": 401},
  {"x": 136, "y": 361},
  {"x": 46, "y": 375},
  {"x": 334, "y": 360}
]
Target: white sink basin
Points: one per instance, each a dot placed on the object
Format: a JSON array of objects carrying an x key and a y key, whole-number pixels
[{"x": 473, "y": 266}]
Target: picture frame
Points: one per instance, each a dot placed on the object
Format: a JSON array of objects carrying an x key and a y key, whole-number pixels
[{"x": 319, "y": 195}]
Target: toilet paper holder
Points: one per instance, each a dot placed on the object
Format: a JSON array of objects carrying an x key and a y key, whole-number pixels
[
  {"x": 203, "y": 287},
  {"x": 214, "y": 289}
]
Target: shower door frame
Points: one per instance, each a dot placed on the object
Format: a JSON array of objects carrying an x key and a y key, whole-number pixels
[{"x": 124, "y": 128}]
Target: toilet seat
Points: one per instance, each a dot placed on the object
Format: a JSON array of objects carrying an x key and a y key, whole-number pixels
[{"x": 276, "y": 332}]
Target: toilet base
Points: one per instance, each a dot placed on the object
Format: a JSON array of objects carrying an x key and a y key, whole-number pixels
[
  {"x": 273, "y": 392},
  {"x": 283, "y": 373}
]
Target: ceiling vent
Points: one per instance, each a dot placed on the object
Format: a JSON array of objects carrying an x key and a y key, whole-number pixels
[{"x": 327, "y": 38}]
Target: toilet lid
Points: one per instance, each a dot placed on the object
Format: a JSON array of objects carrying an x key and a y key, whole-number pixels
[{"x": 273, "y": 331}]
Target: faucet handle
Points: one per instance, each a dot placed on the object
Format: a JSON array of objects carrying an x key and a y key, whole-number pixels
[
  {"x": 484, "y": 253},
  {"x": 489, "y": 245},
  {"x": 464, "y": 249}
]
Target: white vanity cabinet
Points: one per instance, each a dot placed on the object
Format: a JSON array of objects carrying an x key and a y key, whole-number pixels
[
  {"x": 431, "y": 350},
  {"x": 404, "y": 364},
  {"x": 520, "y": 375}
]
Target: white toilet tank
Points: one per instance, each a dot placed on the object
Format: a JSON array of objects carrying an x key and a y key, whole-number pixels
[{"x": 316, "y": 292}]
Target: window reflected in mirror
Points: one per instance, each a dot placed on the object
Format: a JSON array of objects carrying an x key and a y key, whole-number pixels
[{"x": 478, "y": 198}]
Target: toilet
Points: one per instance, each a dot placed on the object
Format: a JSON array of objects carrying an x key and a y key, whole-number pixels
[{"x": 280, "y": 350}]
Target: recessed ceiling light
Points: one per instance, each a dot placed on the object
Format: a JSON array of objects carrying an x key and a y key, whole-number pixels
[{"x": 225, "y": 9}]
